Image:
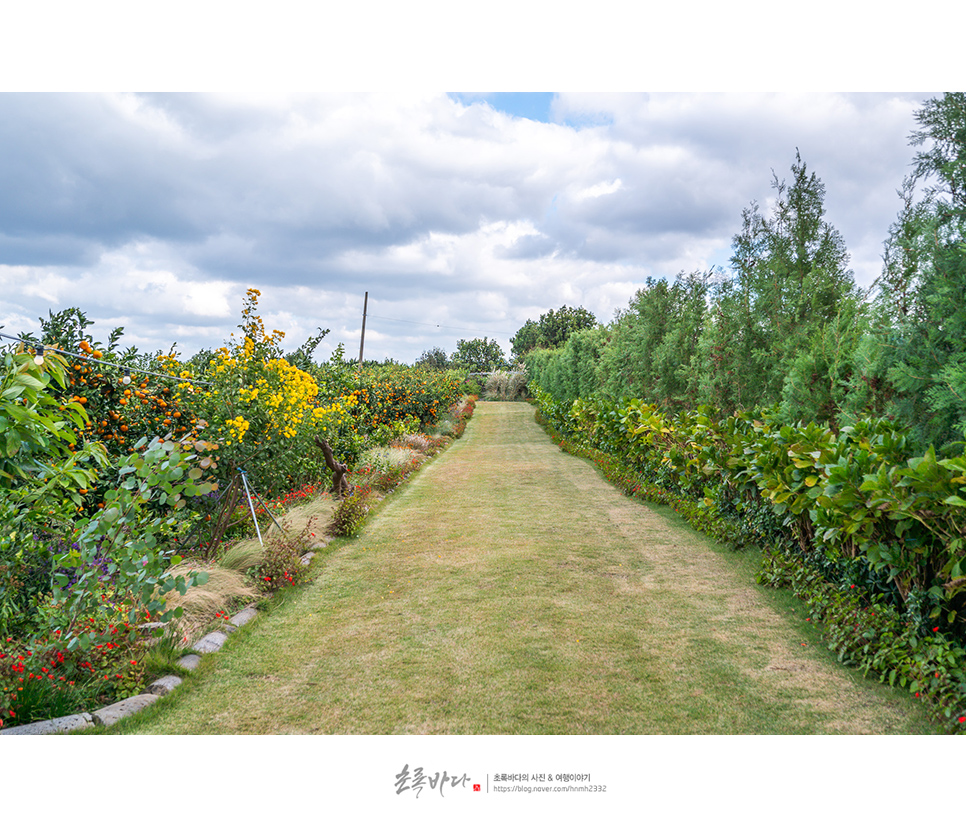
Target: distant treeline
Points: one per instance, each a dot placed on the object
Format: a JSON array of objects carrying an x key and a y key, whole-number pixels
[{"x": 786, "y": 329}]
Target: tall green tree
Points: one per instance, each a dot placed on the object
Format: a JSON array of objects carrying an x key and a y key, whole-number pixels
[
  {"x": 552, "y": 330},
  {"x": 651, "y": 345},
  {"x": 479, "y": 355},
  {"x": 435, "y": 357},
  {"x": 917, "y": 354},
  {"x": 790, "y": 277}
]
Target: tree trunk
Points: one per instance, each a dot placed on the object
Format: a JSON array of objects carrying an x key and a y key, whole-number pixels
[{"x": 340, "y": 486}]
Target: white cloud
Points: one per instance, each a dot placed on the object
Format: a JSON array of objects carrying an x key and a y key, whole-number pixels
[
  {"x": 598, "y": 190},
  {"x": 158, "y": 211}
]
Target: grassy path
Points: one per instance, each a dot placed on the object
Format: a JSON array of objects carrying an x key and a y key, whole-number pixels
[{"x": 509, "y": 589}]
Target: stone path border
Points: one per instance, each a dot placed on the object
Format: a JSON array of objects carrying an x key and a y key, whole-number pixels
[{"x": 106, "y": 716}]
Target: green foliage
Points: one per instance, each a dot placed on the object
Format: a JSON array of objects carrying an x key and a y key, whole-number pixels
[
  {"x": 301, "y": 358},
  {"x": 281, "y": 564},
  {"x": 352, "y": 512},
  {"x": 943, "y": 133},
  {"x": 470, "y": 388},
  {"x": 781, "y": 329},
  {"x": 648, "y": 349},
  {"x": 26, "y": 565},
  {"x": 119, "y": 561},
  {"x": 478, "y": 355},
  {"x": 42, "y": 481},
  {"x": 435, "y": 358},
  {"x": 913, "y": 363},
  {"x": 820, "y": 378},
  {"x": 790, "y": 278},
  {"x": 553, "y": 330},
  {"x": 68, "y": 620},
  {"x": 38, "y": 460}
]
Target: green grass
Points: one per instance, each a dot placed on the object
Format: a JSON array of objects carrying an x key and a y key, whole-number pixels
[{"x": 506, "y": 588}]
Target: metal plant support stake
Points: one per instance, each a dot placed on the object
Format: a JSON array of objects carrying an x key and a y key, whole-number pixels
[{"x": 251, "y": 506}]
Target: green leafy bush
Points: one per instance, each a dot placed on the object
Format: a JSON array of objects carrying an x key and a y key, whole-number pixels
[
  {"x": 282, "y": 564},
  {"x": 847, "y": 508},
  {"x": 351, "y": 513},
  {"x": 868, "y": 633},
  {"x": 122, "y": 548}
]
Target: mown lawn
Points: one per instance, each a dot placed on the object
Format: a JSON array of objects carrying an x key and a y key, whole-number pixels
[{"x": 507, "y": 589}]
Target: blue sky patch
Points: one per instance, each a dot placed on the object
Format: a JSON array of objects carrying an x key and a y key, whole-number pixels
[{"x": 533, "y": 106}]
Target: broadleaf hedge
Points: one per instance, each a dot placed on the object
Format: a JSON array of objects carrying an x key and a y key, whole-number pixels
[{"x": 849, "y": 520}]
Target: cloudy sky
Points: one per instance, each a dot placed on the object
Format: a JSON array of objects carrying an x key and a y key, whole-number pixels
[{"x": 461, "y": 214}]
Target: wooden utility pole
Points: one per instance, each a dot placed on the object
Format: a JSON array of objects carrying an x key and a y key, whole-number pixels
[{"x": 362, "y": 341}]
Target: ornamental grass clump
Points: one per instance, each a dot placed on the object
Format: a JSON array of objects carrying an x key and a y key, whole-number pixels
[
  {"x": 384, "y": 459},
  {"x": 417, "y": 442},
  {"x": 226, "y": 588},
  {"x": 386, "y": 467},
  {"x": 506, "y": 385}
]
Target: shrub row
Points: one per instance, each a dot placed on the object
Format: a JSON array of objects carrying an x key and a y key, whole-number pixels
[
  {"x": 113, "y": 464},
  {"x": 354, "y": 508},
  {"x": 835, "y": 512}
]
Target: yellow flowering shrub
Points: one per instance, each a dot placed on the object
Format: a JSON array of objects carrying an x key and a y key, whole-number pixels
[
  {"x": 256, "y": 404},
  {"x": 264, "y": 411}
]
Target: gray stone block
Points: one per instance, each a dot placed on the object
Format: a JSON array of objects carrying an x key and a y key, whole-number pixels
[
  {"x": 51, "y": 727},
  {"x": 189, "y": 662},
  {"x": 106, "y": 716},
  {"x": 210, "y": 642},
  {"x": 244, "y": 616},
  {"x": 162, "y": 686}
]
